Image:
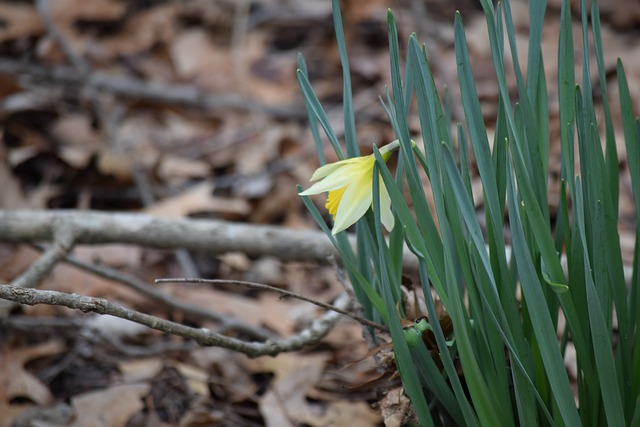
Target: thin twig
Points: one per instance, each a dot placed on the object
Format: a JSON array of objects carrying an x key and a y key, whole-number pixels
[
  {"x": 63, "y": 242},
  {"x": 285, "y": 292},
  {"x": 314, "y": 333}
]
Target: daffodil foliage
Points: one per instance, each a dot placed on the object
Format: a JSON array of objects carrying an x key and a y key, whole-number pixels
[{"x": 488, "y": 351}]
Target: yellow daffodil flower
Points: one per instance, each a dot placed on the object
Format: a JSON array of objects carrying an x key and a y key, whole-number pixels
[{"x": 350, "y": 186}]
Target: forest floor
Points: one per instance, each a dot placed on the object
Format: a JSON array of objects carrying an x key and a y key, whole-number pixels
[{"x": 192, "y": 109}]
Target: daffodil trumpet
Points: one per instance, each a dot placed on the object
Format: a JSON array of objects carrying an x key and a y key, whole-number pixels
[{"x": 349, "y": 183}]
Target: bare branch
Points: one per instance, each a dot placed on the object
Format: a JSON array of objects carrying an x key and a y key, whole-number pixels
[
  {"x": 314, "y": 333},
  {"x": 209, "y": 236},
  {"x": 227, "y": 323},
  {"x": 32, "y": 276}
]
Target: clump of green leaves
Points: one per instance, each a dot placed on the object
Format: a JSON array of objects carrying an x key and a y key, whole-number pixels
[{"x": 504, "y": 304}]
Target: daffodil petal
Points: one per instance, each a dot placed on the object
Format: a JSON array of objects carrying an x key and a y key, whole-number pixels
[
  {"x": 330, "y": 168},
  {"x": 354, "y": 204},
  {"x": 386, "y": 216},
  {"x": 332, "y": 182},
  {"x": 325, "y": 170}
]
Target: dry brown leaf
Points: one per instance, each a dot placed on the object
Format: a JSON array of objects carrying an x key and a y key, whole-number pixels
[
  {"x": 266, "y": 77},
  {"x": 148, "y": 28},
  {"x": 15, "y": 197},
  {"x": 68, "y": 11},
  {"x": 154, "y": 142},
  {"x": 235, "y": 261},
  {"x": 137, "y": 136},
  {"x": 32, "y": 145},
  {"x": 112, "y": 407},
  {"x": 115, "y": 164},
  {"x": 20, "y": 259},
  {"x": 19, "y": 21},
  {"x": 199, "y": 198},
  {"x": 266, "y": 269},
  {"x": 114, "y": 255},
  {"x": 177, "y": 129},
  {"x": 9, "y": 414},
  {"x": 285, "y": 404},
  {"x": 310, "y": 280},
  {"x": 350, "y": 346},
  {"x": 139, "y": 370},
  {"x": 251, "y": 160},
  {"x": 347, "y": 414},
  {"x": 282, "y": 199},
  {"x": 394, "y": 407},
  {"x": 16, "y": 381},
  {"x": 197, "y": 379},
  {"x": 364, "y": 10},
  {"x": 12, "y": 100},
  {"x": 65, "y": 15},
  {"x": 194, "y": 55},
  {"x": 66, "y": 278},
  {"x": 174, "y": 170},
  {"x": 201, "y": 414},
  {"x": 228, "y": 372},
  {"x": 79, "y": 140},
  {"x": 76, "y": 129},
  {"x": 621, "y": 13}
]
